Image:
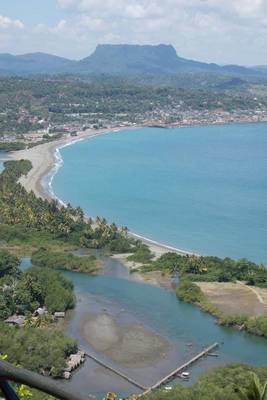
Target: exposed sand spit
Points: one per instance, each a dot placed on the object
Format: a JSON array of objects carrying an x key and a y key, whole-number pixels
[{"x": 131, "y": 345}]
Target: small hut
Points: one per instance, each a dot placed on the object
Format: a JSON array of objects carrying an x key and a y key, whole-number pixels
[
  {"x": 40, "y": 311},
  {"x": 15, "y": 320},
  {"x": 59, "y": 314}
]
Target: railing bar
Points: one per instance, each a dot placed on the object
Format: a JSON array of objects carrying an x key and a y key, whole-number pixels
[{"x": 32, "y": 379}]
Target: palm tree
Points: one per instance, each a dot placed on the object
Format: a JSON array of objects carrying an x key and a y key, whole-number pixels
[
  {"x": 80, "y": 214},
  {"x": 255, "y": 391},
  {"x": 98, "y": 220},
  {"x": 124, "y": 231}
]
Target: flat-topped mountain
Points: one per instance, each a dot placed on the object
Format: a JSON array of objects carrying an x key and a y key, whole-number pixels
[
  {"x": 122, "y": 59},
  {"x": 160, "y": 59},
  {"x": 127, "y": 59}
]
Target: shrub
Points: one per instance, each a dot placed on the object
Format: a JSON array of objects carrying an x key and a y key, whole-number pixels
[{"x": 189, "y": 292}]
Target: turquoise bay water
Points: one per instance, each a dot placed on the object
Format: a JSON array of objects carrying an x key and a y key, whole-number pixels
[{"x": 202, "y": 189}]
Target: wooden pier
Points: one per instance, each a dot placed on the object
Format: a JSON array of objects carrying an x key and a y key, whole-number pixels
[
  {"x": 117, "y": 372},
  {"x": 180, "y": 369},
  {"x": 164, "y": 380}
]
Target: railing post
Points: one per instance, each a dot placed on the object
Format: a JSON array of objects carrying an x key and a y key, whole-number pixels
[{"x": 7, "y": 390}]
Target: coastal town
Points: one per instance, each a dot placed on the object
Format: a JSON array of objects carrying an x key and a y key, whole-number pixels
[
  {"x": 160, "y": 118},
  {"x": 36, "y": 113}
]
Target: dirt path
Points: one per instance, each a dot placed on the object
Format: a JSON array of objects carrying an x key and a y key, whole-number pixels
[{"x": 253, "y": 290}]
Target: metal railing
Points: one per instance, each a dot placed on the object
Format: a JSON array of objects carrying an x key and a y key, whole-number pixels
[{"x": 9, "y": 373}]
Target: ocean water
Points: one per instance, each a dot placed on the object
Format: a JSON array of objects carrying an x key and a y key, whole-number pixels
[{"x": 201, "y": 189}]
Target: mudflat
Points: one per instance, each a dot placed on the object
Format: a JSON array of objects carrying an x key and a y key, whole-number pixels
[{"x": 130, "y": 345}]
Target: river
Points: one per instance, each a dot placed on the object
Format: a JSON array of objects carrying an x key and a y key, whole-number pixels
[{"x": 158, "y": 310}]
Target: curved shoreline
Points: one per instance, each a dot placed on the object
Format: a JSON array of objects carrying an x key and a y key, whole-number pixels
[{"x": 46, "y": 161}]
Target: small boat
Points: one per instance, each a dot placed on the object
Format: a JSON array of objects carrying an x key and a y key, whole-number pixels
[
  {"x": 213, "y": 354},
  {"x": 184, "y": 375},
  {"x": 168, "y": 388}
]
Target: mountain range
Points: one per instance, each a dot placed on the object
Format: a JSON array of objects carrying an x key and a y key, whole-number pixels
[{"x": 121, "y": 59}]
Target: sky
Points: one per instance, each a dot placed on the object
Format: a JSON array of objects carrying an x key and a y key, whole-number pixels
[{"x": 221, "y": 31}]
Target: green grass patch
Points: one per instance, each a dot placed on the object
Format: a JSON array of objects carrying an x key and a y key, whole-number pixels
[
  {"x": 142, "y": 254},
  {"x": 58, "y": 260}
]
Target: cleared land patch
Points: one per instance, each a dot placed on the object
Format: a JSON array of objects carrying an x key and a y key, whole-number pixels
[{"x": 235, "y": 298}]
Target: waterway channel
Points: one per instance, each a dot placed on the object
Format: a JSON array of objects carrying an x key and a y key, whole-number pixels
[{"x": 186, "y": 329}]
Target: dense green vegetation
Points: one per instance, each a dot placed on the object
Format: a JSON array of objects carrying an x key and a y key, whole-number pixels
[
  {"x": 189, "y": 292},
  {"x": 232, "y": 382},
  {"x": 8, "y": 264},
  {"x": 38, "y": 349},
  {"x": 23, "y": 293},
  {"x": 121, "y": 245},
  {"x": 35, "y": 345},
  {"x": 12, "y": 146},
  {"x": 141, "y": 253},
  {"x": 66, "y": 261},
  {"x": 210, "y": 269},
  {"x": 23, "y": 208},
  {"x": 35, "y": 217},
  {"x": 24, "y": 240}
]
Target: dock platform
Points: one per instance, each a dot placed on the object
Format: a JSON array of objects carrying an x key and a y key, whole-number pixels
[{"x": 162, "y": 381}]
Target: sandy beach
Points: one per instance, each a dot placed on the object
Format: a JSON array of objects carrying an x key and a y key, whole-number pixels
[{"x": 44, "y": 158}]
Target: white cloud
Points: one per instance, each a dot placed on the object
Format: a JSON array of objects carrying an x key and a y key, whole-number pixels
[
  {"x": 116, "y": 8},
  {"x": 60, "y": 26},
  {"x": 7, "y": 23},
  {"x": 66, "y": 3},
  {"x": 249, "y": 8},
  {"x": 57, "y": 29},
  {"x": 93, "y": 24}
]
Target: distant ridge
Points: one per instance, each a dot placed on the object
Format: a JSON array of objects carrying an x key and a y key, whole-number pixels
[
  {"x": 33, "y": 63},
  {"x": 121, "y": 59}
]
